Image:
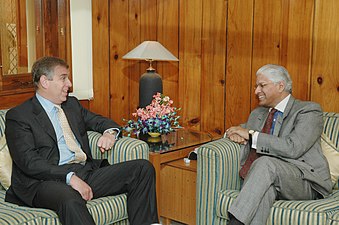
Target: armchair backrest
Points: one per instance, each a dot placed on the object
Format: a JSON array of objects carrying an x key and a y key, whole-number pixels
[
  {"x": 2, "y": 121},
  {"x": 331, "y": 127}
]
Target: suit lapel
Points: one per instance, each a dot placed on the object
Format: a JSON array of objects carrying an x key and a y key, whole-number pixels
[
  {"x": 262, "y": 118},
  {"x": 43, "y": 119},
  {"x": 281, "y": 118}
]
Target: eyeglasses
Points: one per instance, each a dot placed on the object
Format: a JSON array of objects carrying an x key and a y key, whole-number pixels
[{"x": 261, "y": 86}]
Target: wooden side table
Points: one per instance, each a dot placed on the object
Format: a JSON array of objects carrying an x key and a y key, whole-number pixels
[
  {"x": 164, "y": 154},
  {"x": 177, "y": 192}
]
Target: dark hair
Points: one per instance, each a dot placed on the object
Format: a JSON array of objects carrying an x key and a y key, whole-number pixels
[{"x": 45, "y": 66}]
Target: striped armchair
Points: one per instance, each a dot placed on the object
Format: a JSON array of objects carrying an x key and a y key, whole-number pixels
[
  {"x": 105, "y": 210},
  {"x": 218, "y": 184}
]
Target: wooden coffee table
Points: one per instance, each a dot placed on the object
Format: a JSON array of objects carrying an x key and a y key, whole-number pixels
[{"x": 166, "y": 155}]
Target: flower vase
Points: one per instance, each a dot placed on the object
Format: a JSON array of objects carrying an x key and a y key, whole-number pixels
[
  {"x": 154, "y": 134},
  {"x": 154, "y": 137}
]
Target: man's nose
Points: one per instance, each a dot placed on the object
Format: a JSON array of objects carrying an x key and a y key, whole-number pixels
[{"x": 69, "y": 83}]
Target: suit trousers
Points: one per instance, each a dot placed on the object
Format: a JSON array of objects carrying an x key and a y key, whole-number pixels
[
  {"x": 269, "y": 179},
  {"x": 136, "y": 178}
]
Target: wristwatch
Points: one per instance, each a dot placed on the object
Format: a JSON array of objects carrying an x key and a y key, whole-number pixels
[{"x": 112, "y": 132}]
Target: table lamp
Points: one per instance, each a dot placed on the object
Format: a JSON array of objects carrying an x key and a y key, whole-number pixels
[{"x": 150, "y": 82}]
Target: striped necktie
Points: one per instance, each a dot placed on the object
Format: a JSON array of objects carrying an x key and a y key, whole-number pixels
[{"x": 80, "y": 156}]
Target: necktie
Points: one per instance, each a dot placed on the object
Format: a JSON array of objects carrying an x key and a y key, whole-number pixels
[
  {"x": 253, "y": 154},
  {"x": 80, "y": 156}
]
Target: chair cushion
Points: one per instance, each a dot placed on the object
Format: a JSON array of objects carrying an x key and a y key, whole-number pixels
[
  {"x": 331, "y": 127},
  {"x": 6, "y": 164},
  {"x": 332, "y": 156},
  {"x": 290, "y": 212}
]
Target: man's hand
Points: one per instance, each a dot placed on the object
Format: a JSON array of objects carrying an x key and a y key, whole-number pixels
[
  {"x": 237, "y": 138},
  {"x": 106, "y": 142},
  {"x": 238, "y": 134},
  {"x": 82, "y": 187}
]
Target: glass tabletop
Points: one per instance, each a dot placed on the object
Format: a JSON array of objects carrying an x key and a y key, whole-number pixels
[{"x": 181, "y": 138}]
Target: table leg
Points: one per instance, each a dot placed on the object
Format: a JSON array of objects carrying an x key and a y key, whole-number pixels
[
  {"x": 166, "y": 221},
  {"x": 155, "y": 160}
]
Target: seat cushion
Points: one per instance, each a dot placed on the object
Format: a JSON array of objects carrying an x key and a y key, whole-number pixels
[
  {"x": 106, "y": 210},
  {"x": 332, "y": 156},
  {"x": 5, "y": 164},
  {"x": 331, "y": 127},
  {"x": 288, "y": 212}
]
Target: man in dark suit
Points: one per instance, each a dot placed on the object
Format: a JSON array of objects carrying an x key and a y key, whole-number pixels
[
  {"x": 49, "y": 173},
  {"x": 285, "y": 151}
]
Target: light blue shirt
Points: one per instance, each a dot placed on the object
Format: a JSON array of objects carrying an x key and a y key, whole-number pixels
[{"x": 66, "y": 155}]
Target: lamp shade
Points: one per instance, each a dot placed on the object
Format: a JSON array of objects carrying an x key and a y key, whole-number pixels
[{"x": 150, "y": 50}]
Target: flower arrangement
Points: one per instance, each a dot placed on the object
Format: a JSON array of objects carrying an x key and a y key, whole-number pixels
[{"x": 158, "y": 117}]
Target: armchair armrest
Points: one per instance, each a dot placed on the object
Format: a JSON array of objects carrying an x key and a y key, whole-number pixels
[
  {"x": 217, "y": 169},
  {"x": 124, "y": 149}
]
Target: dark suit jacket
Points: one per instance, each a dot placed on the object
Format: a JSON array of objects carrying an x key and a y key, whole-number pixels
[
  {"x": 296, "y": 139},
  {"x": 33, "y": 146}
]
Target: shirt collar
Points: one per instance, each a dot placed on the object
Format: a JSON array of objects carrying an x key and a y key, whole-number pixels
[
  {"x": 46, "y": 104},
  {"x": 282, "y": 104}
]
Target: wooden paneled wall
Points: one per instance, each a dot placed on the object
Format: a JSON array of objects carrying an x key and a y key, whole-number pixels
[{"x": 220, "y": 46}]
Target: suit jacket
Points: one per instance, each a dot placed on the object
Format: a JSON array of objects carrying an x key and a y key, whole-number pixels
[
  {"x": 296, "y": 139},
  {"x": 33, "y": 146}
]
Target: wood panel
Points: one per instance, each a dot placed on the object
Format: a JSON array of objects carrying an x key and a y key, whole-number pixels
[
  {"x": 239, "y": 61},
  {"x": 10, "y": 100},
  {"x": 135, "y": 70},
  {"x": 213, "y": 78},
  {"x": 119, "y": 73},
  {"x": 325, "y": 70},
  {"x": 266, "y": 37},
  {"x": 100, "y": 45},
  {"x": 296, "y": 43},
  {"x": 190, "y": 62},
  {"x": 282, "y": 35},
  {"x": 167, "y": 35},
  {"x": 221, "y": 45},
  {"x": 50, "y": 20}
]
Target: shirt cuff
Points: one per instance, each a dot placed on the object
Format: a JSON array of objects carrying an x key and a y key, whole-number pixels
[
  {"x": 255, "y": 139},
  {"x": 68, "y": 177},
  {"x": 112, "y": 131}
]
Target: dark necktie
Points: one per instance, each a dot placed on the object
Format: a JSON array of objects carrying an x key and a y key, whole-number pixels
[{"x": 253, "y": 154}]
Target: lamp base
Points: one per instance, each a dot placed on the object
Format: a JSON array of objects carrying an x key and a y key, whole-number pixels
[{"x": 150, "y": 83}]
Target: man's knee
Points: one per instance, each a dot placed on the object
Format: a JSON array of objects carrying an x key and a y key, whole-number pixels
[
  {"x": 146, "y": 166},
  {"x": 265, "y": 163}
]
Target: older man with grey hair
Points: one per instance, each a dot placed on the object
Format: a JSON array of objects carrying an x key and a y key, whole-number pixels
[{"x": 281, "y": 156}]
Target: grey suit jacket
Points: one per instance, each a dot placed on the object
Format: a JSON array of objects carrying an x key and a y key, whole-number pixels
[
  {"x": 34, "y": 149},
  {"x": 296, "y": 139}
]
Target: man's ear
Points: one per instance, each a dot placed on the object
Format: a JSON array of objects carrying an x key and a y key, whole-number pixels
[
  {"x": 44, "y": 81},
  {"x": 282, "y": 86}
]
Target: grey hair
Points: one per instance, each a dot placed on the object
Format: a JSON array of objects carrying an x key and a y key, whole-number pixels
[
  {"x": 45, "y": 66},
  {"x": 277, "y": 73}
]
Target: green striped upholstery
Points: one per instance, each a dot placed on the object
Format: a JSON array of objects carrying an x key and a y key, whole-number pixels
[
  {"x": 218, "y": 184},
  {"x": 106, "y": 210},
  {"x": 288, "y": 212},
  {"x": 2, "y": 122},
  {"x": 331, "y": 127},
  {"x": 334, "y": 219},
  {"x": 125, "y": 149}
]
